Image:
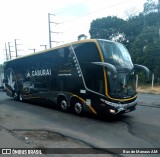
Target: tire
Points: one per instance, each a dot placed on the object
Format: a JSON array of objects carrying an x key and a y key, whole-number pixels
[
  {"x": 64, "y": 105},
  {"x": 20, "y": 97},
  {"x": 78, "y": 108},
  {"x": 15, "y": 96}
]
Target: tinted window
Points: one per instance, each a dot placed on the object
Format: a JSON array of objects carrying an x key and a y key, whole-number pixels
[
  {"x": 93, "y": 75},
  {"x": 116, "y": 54},
  {"x": 87, "y": 52}
]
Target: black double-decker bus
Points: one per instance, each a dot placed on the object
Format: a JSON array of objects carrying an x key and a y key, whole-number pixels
[{"x": 95, "y": 76}]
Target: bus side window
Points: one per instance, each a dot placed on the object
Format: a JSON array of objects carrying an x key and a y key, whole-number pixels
[
  {"x": 65, "y": 56},
  {"x": 87, "y": 52},
  {"x": 93, "y": 75}
]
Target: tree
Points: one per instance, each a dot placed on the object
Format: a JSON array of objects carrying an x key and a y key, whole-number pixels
[
  {"x": 131, "y": 12},
  {"x": 107, "y": 28},
  {"x": 146, "y": 50},
  {"x": 82, "y": 36},
  {"x": 150, "y": 6},
  {"x": 139, "y": 33}
]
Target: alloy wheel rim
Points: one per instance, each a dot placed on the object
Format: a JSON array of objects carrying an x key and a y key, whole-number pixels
[
  {"x": 78, "y": 107},
  {"x": 64, "y": 105}
]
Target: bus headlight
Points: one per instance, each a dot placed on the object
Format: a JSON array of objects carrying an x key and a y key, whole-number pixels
[{"x": 112, "y": 111}]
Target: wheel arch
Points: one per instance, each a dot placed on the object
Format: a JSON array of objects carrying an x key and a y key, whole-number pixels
[
  {"x": 61, "y": 97},
  {"x": 75, "y": 98}
]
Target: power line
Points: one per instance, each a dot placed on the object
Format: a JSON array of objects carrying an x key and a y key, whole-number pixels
[
  {"x": 73, "y": 28},
  {"x": 86, "y": 14},
  {"x": 74, "y": 6}
]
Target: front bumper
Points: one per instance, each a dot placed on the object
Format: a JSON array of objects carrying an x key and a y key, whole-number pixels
[{"x": 121, "y": 108}]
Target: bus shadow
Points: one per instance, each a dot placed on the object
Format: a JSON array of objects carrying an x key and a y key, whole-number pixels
[
  {"x": 53, "y": 106},
  {"x": 102, "y": 118},
  {"x": 108, "y": 118}
]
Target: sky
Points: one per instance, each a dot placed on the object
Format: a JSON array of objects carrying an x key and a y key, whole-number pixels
[{"x": 27, "y": 21}]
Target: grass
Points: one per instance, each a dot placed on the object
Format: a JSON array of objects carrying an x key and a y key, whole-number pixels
[{"x": 149, "y": 89}]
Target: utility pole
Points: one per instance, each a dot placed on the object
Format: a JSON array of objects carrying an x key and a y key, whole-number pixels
[
  {"x": 159, "y": 15},
  {"x": 6, "y": 51},
  {"x": 49, "y": 26},
  {"x": 9, "y": 50},
  {"x": 15, "y": 42},
  {"x": 34, "y": 50},
  {"x": 16, "y": 50},
  {"x": 50, "y": 31},
  {"x": 45, "y": 46}
]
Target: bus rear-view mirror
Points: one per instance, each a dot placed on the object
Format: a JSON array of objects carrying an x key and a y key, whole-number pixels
[
  {"x": 144, "y": 68},
  {"x": 109, "y": 66}
]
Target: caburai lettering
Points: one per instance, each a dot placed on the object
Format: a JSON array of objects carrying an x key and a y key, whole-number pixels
[{"x": 43, "y": 72}]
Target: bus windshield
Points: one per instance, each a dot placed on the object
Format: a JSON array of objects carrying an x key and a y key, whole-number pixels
[
  {"x": 115, "y": 54},
  {"x": 124, "y": 84}
]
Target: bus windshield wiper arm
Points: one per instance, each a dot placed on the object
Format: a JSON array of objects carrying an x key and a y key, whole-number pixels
[{"x": 109, "y": 66}]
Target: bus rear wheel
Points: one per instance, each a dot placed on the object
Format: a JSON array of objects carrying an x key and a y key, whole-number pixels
[
  {"x": 78, "y": 108},
  {"x": 20, "y": 97},
  {"x": 64, "y": 105},
  {"x": 15, "y": 96}
]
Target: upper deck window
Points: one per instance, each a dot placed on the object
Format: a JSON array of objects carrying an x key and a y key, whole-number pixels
[
  {"x": 87, "y": 52},
  {"x": 116, "y": 54}
]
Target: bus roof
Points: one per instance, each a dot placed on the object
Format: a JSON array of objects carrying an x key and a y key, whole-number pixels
[{"x": 60, "y": 46}]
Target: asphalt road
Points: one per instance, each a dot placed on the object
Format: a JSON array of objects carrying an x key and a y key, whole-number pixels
[{"x": 138, "y": 129}]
